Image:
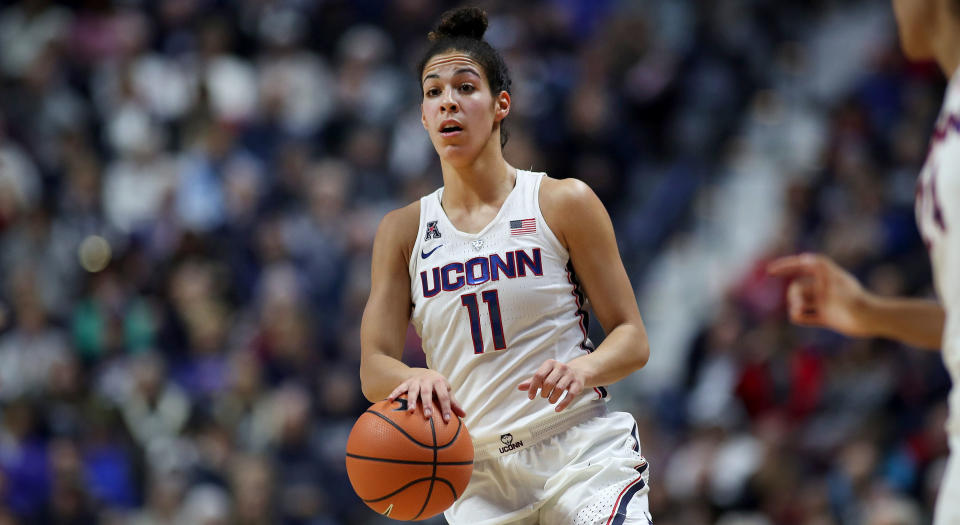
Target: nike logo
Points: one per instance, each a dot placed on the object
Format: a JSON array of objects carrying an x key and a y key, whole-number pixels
[{"x": 424, "y": 255}]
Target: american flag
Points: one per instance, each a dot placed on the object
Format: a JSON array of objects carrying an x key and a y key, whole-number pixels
[{"x": 523, "y": 227}]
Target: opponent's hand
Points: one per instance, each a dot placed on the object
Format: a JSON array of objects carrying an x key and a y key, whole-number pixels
[
  {"x": 552, "y": 379},
  {"x": 822, "y": 294},
  {"x": 428, "y": 385}
]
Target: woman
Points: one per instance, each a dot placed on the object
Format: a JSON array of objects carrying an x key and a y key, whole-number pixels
[
  {"x": 492, "y": 269},
  {"x": 823, "y": 294}
]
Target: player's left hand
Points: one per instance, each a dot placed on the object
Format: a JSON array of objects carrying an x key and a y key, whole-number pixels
[{"x": 552, "y": 379}]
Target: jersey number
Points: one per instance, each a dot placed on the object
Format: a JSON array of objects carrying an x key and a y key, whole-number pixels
[{"x": 496, "y": 324}]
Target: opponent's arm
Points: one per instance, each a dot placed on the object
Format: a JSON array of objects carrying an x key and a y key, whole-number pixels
[
  {"x": 823, "y": 294},
  {"x": 386, "y": 316},
  {"x": 581, "y": 223}
]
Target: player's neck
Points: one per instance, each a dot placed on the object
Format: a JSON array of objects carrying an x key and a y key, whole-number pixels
[{"x": 487, "y": 180}]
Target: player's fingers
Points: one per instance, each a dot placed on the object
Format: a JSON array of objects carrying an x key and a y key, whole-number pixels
[
  {"x": 573, "y": 391},
  {"x": 455, "y": 405},
  {"x": 550, "y": 383},
  {"x": 426, "y": 400},
  {"x": 413, "y": 395},
  {"x": 401, "y": 389},
  {"x": 562, "y": 385},
  {"x": 525, "y": 385},
  {"x": 537, "y": 380},
  {"x": 443, "y": 398}
]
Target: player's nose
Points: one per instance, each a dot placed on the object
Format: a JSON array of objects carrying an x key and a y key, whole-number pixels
[{"x": 449, "y": 104}]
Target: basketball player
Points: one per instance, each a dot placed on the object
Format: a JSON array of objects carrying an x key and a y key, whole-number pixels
[
  {"x": 494, "y": 269},
  {"x": 823, "y": 294}
]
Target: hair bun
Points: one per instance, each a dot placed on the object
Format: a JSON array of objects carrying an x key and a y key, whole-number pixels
[{"x": 470, "y": 22}]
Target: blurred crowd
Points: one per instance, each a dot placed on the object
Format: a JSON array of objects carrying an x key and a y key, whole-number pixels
[
  {"x": 188, "y": 195},
  {"x": 775, "y": 424}
]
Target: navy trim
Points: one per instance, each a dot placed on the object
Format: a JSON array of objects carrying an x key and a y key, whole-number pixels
[
  {"x": 636, "y": 438},
  {"x": 627, "y": 496},
  {"x": 583, "y": 319},
  {"x": 581, "y": 312}
]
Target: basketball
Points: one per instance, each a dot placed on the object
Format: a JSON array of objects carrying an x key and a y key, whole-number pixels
[{"x": 407, "y": 467}]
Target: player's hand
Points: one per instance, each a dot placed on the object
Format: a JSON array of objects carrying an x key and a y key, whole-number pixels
[
  {"x": 821, "y": 293},
  {"x": 552, "y": 379},
  {"x": 425, "y": 386}
]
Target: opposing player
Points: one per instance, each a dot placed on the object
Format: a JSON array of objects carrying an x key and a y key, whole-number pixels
[
  {"x": 494, "y": 269},
  {"x": 823, "y": 294}
]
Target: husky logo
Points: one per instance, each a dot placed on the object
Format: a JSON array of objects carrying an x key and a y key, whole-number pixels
[
  {"x": 508, "y": 443},
  {"x": 432, "y": 231}
]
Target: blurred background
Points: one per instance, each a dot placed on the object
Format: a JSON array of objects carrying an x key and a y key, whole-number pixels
[{"x": 189, "y": 191}]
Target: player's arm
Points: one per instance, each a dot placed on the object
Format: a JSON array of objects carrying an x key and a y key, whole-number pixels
[
  {"x": 823, "y": 294},
  {"x": 581, "y": 223},
  {"x": 383, "y": 329}
]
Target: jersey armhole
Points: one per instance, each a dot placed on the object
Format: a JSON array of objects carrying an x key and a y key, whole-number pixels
[
  {"x": 412, "y": 266},
  {"x": 547, "y": 230}
]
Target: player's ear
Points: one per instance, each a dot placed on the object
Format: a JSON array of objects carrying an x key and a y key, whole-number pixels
[
  {"x": 501, "y": 106},
  {"x": 423, "y": 118}
]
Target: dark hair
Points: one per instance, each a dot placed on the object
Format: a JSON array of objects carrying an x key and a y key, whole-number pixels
[{"x": 462, "y": 29}]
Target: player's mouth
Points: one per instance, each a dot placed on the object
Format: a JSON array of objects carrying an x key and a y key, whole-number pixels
[{"x": 450, "y": 128}]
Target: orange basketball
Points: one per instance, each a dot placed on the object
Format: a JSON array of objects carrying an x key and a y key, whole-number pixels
[{"x": 407, "y": 467}]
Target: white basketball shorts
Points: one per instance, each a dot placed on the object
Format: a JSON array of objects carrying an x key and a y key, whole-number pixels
[{"x": 589, "y": 474}]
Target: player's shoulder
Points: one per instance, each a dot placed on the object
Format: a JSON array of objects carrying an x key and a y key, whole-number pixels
[
  {"x": 405, "y": 217},
  {"x": 568, "y": 204},
  {"x": 398, "y": 228},
  {"x": 563, "y": 198},
  {"x": 561, "y": 193}
]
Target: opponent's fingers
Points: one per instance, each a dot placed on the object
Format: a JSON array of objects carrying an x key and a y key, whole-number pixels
[
  {"x": 792, "y": 265},
  {"x": 787, "y": 266},
  {"x": 550, "y": 382},
  {"x": 801, "y": 294},
  {"x": 562, "y": 385}
]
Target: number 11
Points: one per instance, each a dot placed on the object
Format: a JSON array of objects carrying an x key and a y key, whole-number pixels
[{"x": 496, "y": 324}]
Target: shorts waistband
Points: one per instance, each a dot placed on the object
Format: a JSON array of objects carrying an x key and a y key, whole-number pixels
[{"x": 540, "y": 430}]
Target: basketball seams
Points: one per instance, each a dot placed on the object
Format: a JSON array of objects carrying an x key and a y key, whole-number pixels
[
  {"x": 413, "y": 439},
  {"x": 455, "y": 435},
  {"x": 433, "y": 476},
  {"x": 450, "y": 486},
  {"x": 399, "y": 428},
  {"x": 408, "y": 461},
  {"x": 366, "y": 459},
  {"x": 398, "y": 491}
]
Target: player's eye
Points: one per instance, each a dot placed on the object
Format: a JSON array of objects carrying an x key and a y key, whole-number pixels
[
  {"x": 432, "y": 92},
  {"x": 467, "y": 88}
]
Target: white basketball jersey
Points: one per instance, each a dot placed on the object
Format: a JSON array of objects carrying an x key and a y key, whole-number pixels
[
  {"x": 938, "y": 217},
  {"x": 491, "y": 307}
]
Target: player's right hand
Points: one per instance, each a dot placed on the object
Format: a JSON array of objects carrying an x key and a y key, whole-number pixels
[
  {"x": 424, "y": 386},
  {"x": 821, "y": 293}
]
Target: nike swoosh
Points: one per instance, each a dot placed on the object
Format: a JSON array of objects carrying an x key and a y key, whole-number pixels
[{"x": 424, "y": 255}]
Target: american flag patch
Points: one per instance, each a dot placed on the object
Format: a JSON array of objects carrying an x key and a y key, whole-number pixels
[{"x": 523, "y": 227}]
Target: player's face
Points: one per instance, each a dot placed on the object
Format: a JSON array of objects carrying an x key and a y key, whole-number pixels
[
  {"x": 914, "y": 20},
  {"x": 458, "y": 109}
]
